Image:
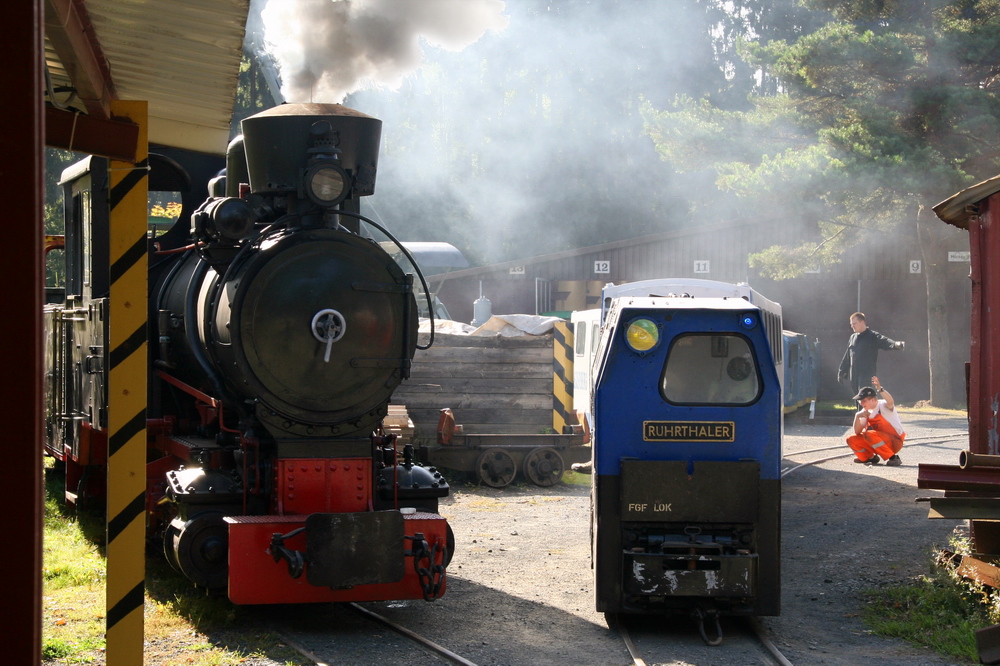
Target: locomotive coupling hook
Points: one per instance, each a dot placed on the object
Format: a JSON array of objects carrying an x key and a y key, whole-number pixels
[
  {"x": 296, "y": 562},
  {"x": 700, "y": 615}
]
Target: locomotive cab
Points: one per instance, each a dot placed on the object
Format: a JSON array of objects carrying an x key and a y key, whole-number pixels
[{"x": 686, "y": 484}]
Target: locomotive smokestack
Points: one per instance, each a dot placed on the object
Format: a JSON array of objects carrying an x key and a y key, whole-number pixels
[{"x": 279, "y": 142}]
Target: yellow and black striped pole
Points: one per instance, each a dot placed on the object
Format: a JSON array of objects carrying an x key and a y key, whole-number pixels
[
  {"x": 562, "y": 377},
  {"x": 127, "y": 202}
]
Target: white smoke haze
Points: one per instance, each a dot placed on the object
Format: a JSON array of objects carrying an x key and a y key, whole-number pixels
[
  {"x": 326, "y": 49},
  {"x": 529, "y": 141},
  {"x": 510, "y": 129}
]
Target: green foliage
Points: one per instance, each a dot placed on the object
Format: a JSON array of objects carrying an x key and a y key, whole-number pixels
[
  {"x": 56, "y": 649},
  {"x": 55, "y": 161},
  {"x": 887, "y": 108},
  {"x": 81, "y": 651},
  {"x": 253, "y": 92},
  {"x": 784, "y": 262}
]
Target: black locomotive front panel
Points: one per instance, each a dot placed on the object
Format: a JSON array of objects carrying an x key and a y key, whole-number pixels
[
  {"x": 316, "y": 327},
  {"x": 689, "y": 530}
]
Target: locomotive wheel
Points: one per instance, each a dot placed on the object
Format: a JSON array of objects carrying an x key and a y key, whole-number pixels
[
  {"x": 171, "y": 532},
  {"x": 449, "y": 541},
  {"x": 543, "y": 466},
  {"x": 496, "y": 468},
  {"x": 201, "y": 549}
]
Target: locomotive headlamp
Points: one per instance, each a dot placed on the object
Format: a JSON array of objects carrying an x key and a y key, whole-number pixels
[
  {"x": 748, "y": 321},
  {"x": 227, "y": 219},
  {"x": 326, "y": 183},
  {"x": 642, "y": 335}
]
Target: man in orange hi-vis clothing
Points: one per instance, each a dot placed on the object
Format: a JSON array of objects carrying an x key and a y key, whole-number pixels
[{"x": 878, "y": 432}]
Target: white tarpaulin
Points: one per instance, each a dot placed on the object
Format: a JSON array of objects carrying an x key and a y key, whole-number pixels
[
  {"x": 445, "y": 326},
  {"x": 514, "y": 325},
  {"x": 506, "y": 326}
]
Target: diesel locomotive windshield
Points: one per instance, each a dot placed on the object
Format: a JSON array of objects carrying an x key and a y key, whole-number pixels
[{"x": 706, "y": 369}]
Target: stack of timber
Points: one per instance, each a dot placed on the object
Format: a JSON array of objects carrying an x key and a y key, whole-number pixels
[
  {"x": 492, "y": 384},
  {"x": 485, "y": 405},
  {"x": 397, "y": 422}
]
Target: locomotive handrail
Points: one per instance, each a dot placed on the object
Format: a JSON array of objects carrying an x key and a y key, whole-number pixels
[
  {"x": 413, "y": 262},
  {"x": 190, "y": 390},
  {"x": 175, "y": 250}
]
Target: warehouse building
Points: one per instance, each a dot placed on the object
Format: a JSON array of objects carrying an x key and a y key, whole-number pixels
[{"x": 885, "y": 282}]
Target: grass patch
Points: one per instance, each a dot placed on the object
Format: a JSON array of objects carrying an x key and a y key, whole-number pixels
[
  {"x": 848, "y": 407},
  {"x": 182, "y": 627},
  {"x": 924, "y": 407},
  {"x": 935, "y": 611},
  {"x": 571, "y": 478},
  {"x": 836, "y": 406},
  {"x": 940, "y": 611}
]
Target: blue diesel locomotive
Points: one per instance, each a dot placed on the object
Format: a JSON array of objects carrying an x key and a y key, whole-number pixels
[{"x": 686, "y": 496}]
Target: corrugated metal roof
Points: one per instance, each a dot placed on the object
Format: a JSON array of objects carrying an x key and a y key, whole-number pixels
[{"x": 180, "y": 56}]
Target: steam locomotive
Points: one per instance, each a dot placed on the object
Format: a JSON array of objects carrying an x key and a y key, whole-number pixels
[
  {"x": 277, "y": 334},
  {"x": 686, "y": 494}
]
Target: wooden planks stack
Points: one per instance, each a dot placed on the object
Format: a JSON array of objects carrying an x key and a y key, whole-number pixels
[
  {"x": 492, "y": 384},
  {"x": 397, "y": 422}
]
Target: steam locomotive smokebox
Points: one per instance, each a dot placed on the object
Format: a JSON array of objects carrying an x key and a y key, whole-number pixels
[{"x": 278, "y": 144}]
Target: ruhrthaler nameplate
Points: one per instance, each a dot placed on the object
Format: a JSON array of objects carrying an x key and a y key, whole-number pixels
[{"x": 688, "y": 431}]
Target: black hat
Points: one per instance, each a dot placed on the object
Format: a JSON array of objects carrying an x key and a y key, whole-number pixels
[{"x": 866, "y": 392}]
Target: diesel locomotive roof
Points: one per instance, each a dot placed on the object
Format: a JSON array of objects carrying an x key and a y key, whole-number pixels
[{"x": 681, "y": 303}]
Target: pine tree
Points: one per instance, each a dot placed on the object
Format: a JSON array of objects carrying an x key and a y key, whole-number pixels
[{"x": 878, "y": 114}]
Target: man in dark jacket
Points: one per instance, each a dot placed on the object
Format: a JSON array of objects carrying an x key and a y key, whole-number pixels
[{"x": 858, "y": 365}]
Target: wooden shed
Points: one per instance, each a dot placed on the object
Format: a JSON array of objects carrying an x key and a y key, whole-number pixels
[{"x": 977, "y": 211}]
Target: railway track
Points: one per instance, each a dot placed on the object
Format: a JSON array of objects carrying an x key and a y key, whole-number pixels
[
  {"x": 550, "y": 611},
  {"x": 842, "y": 447},
  {"x": 649, "y": 640},
  {"x": 361, "y": 642},
  {"x": 663, "y": 640}
]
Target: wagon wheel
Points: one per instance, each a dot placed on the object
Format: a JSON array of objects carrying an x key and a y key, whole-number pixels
[
  {"x": 496, "y": 468},
  {"x": 543, "y": 466}
]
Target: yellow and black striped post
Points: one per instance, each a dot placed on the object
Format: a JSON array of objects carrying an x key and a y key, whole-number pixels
[
  {"x": 562, "y": 377},
  {"x": 127, "y": 202}
]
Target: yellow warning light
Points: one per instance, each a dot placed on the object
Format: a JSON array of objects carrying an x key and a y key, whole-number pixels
[{"x": 642, "y": 335}]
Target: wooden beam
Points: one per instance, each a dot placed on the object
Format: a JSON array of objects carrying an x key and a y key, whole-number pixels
[
  {"x": 116, "y": 138},
  {"x": 72, "y": 36},
  {"x": 982, "y": 572},
  {"x": 987, "y": 508},
  {"x": 23, "y": 171}
]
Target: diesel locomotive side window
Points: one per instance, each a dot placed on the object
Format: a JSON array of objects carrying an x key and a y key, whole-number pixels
[{"x": 703, "y": 369}]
